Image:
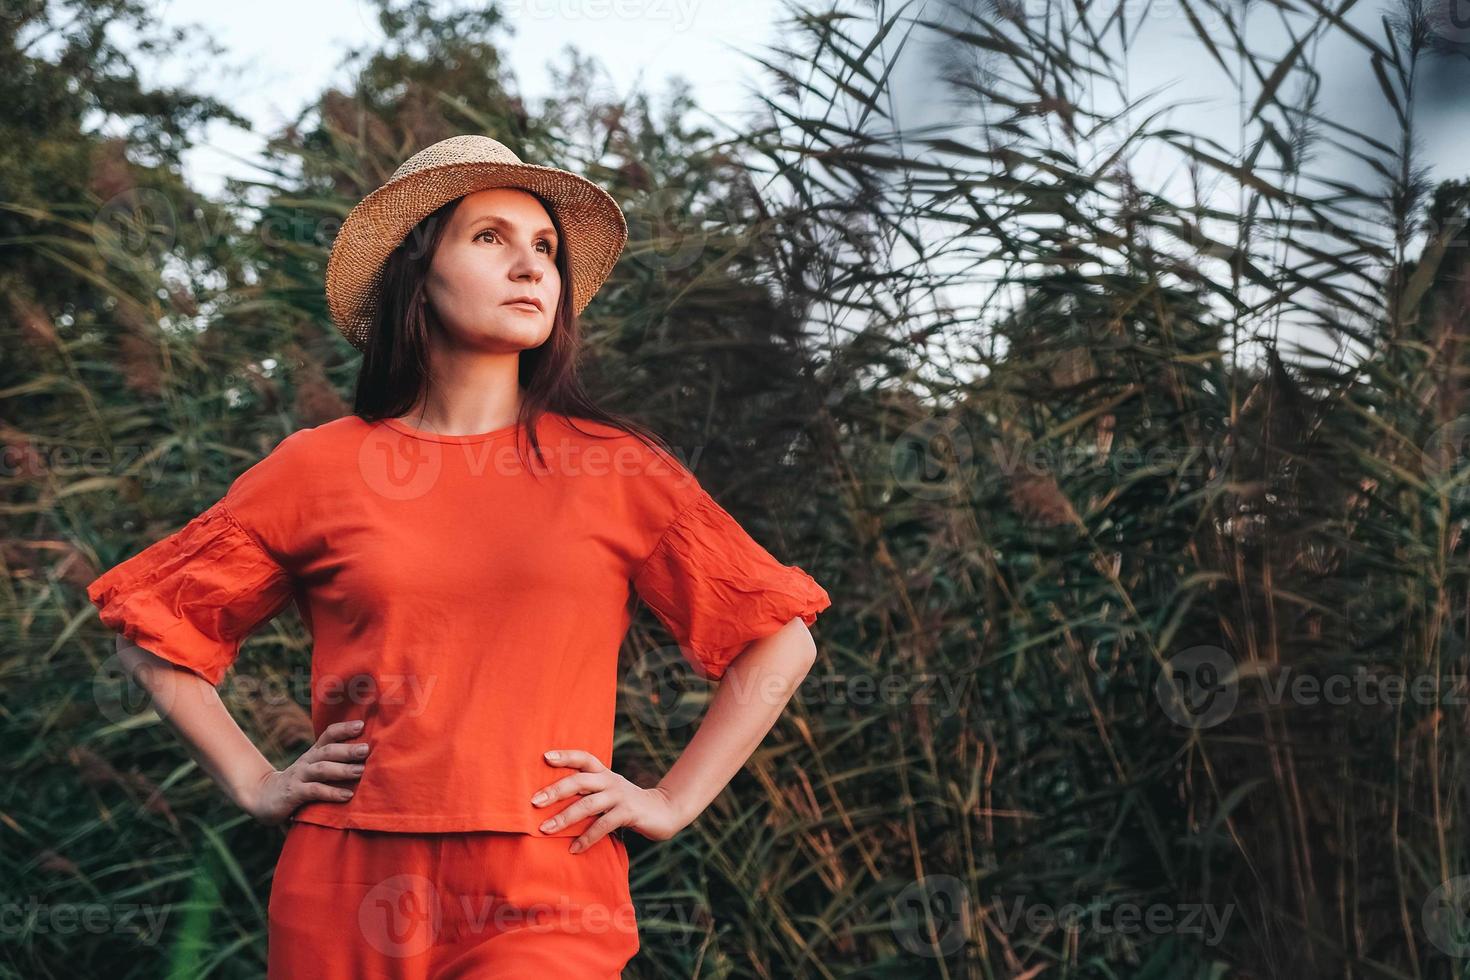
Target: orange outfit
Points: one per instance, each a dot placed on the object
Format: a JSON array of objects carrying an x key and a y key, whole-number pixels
[
  {"x": 468, "y": 608},
  {"x": 483, "y": 905}
]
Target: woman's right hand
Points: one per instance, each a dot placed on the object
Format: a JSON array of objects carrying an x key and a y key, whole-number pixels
[{"x": 331, "y": 759}]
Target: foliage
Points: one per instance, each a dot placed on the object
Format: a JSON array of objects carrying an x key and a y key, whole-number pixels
[{"x": 1019, "y": 389}]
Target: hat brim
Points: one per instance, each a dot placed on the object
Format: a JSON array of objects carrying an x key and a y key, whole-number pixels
[{"x": 592, "y": 224}]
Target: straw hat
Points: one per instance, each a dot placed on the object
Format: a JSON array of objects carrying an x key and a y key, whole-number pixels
[{"x": 591, "y": 221}]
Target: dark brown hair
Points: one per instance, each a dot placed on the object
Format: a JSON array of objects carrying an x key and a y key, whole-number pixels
[{"x": 395, "y": 363}]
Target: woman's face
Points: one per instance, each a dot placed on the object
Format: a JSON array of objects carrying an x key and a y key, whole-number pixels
[{"x": 500, "y": 247}]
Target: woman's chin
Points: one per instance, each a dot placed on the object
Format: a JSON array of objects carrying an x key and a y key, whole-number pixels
[{"x": 523, "y": 333}]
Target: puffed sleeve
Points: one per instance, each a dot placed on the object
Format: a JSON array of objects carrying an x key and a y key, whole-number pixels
[
  {"x": 195, "y": 595},
  {"x": 717, "y": 589}
]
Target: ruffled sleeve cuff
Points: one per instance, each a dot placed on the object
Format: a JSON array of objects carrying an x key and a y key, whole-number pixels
[
  {"x": 718, "y": 590},
  {"x": 193, "y": 596}
]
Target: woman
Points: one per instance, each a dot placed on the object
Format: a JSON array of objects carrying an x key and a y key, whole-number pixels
[{"x": 464, "y": 548}]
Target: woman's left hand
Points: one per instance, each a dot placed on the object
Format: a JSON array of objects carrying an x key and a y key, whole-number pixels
[{"x": 651, "y": 812}]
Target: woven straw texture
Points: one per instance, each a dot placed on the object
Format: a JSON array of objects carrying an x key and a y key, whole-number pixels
[{"x": 593, "y": 225}]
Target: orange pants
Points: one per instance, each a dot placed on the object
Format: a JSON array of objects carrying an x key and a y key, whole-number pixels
[{"x": 492, "y": 905}]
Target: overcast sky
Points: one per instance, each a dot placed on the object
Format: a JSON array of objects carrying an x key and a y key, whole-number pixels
[{"x": 269, "y": 74}]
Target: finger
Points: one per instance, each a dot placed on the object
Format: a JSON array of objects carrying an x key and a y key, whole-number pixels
[
  {"x": 309, "y": 790},
  {"x": 599, "y": 829},
  {"x": 575, "y": 759},
  {"x": 338, "y": 752},
  {"x": 338, "y": 731},
  {"x": 586, "y": 806},
  {"x": 581, "y": 783},
  {"x": 332, "y": 771}
]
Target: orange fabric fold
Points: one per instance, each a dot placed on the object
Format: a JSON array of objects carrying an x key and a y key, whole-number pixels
[
  {"x": 193, "y": 596},
  {"x": 718, "y": 590}
]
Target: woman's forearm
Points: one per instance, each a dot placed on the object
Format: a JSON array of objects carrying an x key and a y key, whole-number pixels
[
  {"x": 752, "y": 694},
  {"x": 191, "y": 706}
]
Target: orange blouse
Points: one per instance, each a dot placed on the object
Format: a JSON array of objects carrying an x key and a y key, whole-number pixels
[{"x": 471, "y": 610}]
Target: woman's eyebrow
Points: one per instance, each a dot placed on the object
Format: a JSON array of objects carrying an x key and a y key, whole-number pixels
[{"x": 496, "y": 221}]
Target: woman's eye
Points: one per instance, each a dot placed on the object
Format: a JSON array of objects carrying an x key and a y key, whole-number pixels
[{"x": 550, "y": 248}]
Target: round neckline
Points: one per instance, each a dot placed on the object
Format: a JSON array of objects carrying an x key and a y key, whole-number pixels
[{"x": 403, "y": 427}]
